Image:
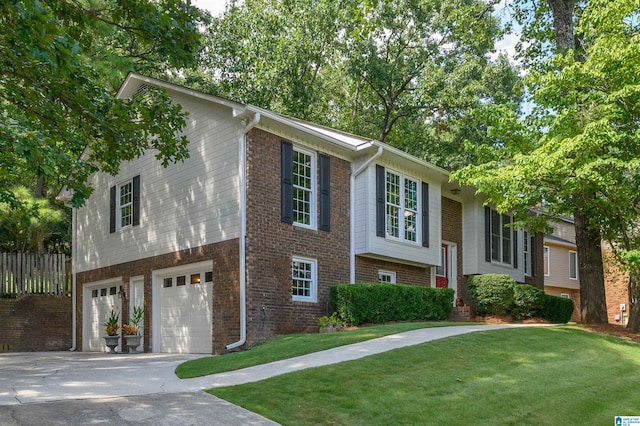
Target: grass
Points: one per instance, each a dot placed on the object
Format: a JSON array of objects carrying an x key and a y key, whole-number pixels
[
  {"x": 525, "y": 376},
  {"x": 295, "y": 345}
]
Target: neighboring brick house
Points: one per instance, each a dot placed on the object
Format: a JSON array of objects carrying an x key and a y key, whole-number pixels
[{"x": 242, "y": 240}]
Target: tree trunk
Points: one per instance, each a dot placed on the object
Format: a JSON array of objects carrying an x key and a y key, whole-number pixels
[
  {"x": 562, "y": 11},
  {"x": 593, "y": 304},
  {"x": 40, "y": 191},
  {"x": 634, "y": 307}
]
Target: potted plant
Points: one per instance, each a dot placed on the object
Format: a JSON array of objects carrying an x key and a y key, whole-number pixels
[
  {"x": 111, "y": 328},
  {"x": 329, "y": 324},
  {"x": 131, "y": 331}
]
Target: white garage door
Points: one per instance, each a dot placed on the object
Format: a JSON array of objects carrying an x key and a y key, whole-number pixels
[
  {"x": 102, "y": 299},
  {"x": 186, "y": 313}
]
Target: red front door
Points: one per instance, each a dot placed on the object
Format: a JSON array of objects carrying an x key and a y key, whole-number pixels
[{"x": 442, "y": 272}]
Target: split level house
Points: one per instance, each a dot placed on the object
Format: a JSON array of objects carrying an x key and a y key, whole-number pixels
[
  {"x": 242, "y": 240},
  {"x": 561, "y": 277}
]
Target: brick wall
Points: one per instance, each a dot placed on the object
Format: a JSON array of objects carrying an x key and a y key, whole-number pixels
[
  {"x": 271, "y": 244},
  {"x": 452, "y": 233},
  {"x": 537, "y": 277},
  {"x": 367, "y": 271},
  {"x": 616, "y": 288},
  {"x": 35, "y": 323},
  {"x": 226, "y": 302}
]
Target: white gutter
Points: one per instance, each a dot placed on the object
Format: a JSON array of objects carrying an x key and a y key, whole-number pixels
[
  {"x": 74, "y": 228},
  {"x": 352, "y": 203},
  {"x": 243, "y": 232}
]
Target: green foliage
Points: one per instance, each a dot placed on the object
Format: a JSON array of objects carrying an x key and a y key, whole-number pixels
[
  {"x": 557, "y": 310},
  {"x": 61, "y": 64},
  {"x": 27, "y": 225},
  {"x": 379, "y": 303},
  {"x": 528, "y": 301},
  {"x": 330, "y": 321},
  {"x": 493, "y": 293},
  {"x": 112, "y": 326}
]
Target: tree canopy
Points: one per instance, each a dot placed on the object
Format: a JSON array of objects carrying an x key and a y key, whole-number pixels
[{"x": 60, "y": 65}]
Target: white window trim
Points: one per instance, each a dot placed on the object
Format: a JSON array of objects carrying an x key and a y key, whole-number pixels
[
  {"x": 119, "y": 206},
  {"x": 548, "y": 260},
  {"x": 312, "y": 195},
  {"x": 526, "y": 251},
  {"x": 576, "y": 264},
  {"x": 313, "y": 290},
  {"x": 390, "y": 274},
  {"x": 401, "y": 210},
  {"x": 502, "y": 237}
]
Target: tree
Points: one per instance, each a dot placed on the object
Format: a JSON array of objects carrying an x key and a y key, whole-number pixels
[
  {"x": 584, "y": 158},
  {"x": 387, "y": 70},
  {"x": 59, "y": 67}
]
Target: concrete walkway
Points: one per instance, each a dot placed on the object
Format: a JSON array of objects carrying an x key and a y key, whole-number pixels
[{"x": 28, "y": 378}]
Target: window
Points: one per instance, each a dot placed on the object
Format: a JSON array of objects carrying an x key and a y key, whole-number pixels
[
  {"x": 401, "y": 208},
  {"x": 526, "y": 248},
  {"x": 300, "y": 199},
  {"x": 386, "y": 276},
  {"x": 304, "y": 280},
  {"x": 303, "y": 176},
  {"x": 499, "y": 237},
  {"x": 124, "y": 205},
  {"x": 181, "y": 280},
  {"x": 573, "y": 265},
  {"x": 195, "y": 279},
  {"x": 208, "y": 277},
  {"x": 167, "y": 282},
  {"x": 547, "y": 271}
]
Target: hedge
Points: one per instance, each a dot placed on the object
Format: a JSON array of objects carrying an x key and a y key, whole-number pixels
[
  {"x": 380, "y": 303},
  {"x": 557, "y": 310},
  {"x": 493, "y": 293},
  {"x": 498, "y": 294}
]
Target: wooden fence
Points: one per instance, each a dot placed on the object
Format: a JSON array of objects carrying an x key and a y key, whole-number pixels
[{"x": 25, "y": 273}]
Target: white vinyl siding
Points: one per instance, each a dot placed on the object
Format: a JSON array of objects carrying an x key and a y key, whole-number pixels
[
  {"x": 185, "y": 205},
  {"x": 526, "y": 251},
  {"x": 407, "y": 252}
]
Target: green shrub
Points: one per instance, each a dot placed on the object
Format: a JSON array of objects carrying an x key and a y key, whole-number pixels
[
  {"x": 492, "y": 293},
  {"x": 528, "y": 301},
  {"x": 557, "y": 310},
  {"x": 379, "y": 303}
]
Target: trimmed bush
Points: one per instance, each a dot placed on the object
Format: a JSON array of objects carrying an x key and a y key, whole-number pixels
[
  {"x": 380, "y": 303},
  {"x": 528, "y": 301},
  {"x": 557, "y": 310},
  {"x": 492, "y": 293}
]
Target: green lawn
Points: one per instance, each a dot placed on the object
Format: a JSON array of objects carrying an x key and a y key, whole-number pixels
[
  {"x": 295, "y": 345},
  {"x": 525, "y": 376}
]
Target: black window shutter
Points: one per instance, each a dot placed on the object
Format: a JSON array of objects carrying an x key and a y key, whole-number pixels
[
  {"x": 425, "y": 214},
  {"x": 286, "y": 150},
  {"x": 487, "y": 234},
  {"x": 136, "y": 200},
  {"x": 380, "y": 200},
  {"x": 112, "y": 209},
  {"x": 534, "y": 255},
  {"x": 325, "y": 193},
  {"x": 515, "y": 249}
]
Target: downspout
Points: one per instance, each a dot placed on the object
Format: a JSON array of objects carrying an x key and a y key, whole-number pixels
[
  {"x": 243, "y": 232},
  {"x": 74, "y": 228},
  {"x": 352, "y": 209}
]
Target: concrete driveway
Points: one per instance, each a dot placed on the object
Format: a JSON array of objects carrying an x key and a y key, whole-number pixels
[{"x": 78, "y": 388}]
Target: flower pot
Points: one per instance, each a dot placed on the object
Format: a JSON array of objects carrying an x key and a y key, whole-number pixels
[
  {"x": 132, "y": 342},
  {"x": 112, "y": 342}
]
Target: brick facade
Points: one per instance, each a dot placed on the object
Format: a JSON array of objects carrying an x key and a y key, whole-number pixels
[
  {"x": 537, "y": 277},
  {"x": 226, "y": 302},
  {"x": 367, "y": 272},
  {"x": 271, "y": 244},
  {"x": 35, "y": 323},
  {"x": 616, "y": 288},
  {"x": 452, "y": 233}
]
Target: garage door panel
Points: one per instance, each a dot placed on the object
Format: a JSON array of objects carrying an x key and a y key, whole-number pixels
[
  {"x": 186, "y": 318},
  {"x": 100, "y": 306}
]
